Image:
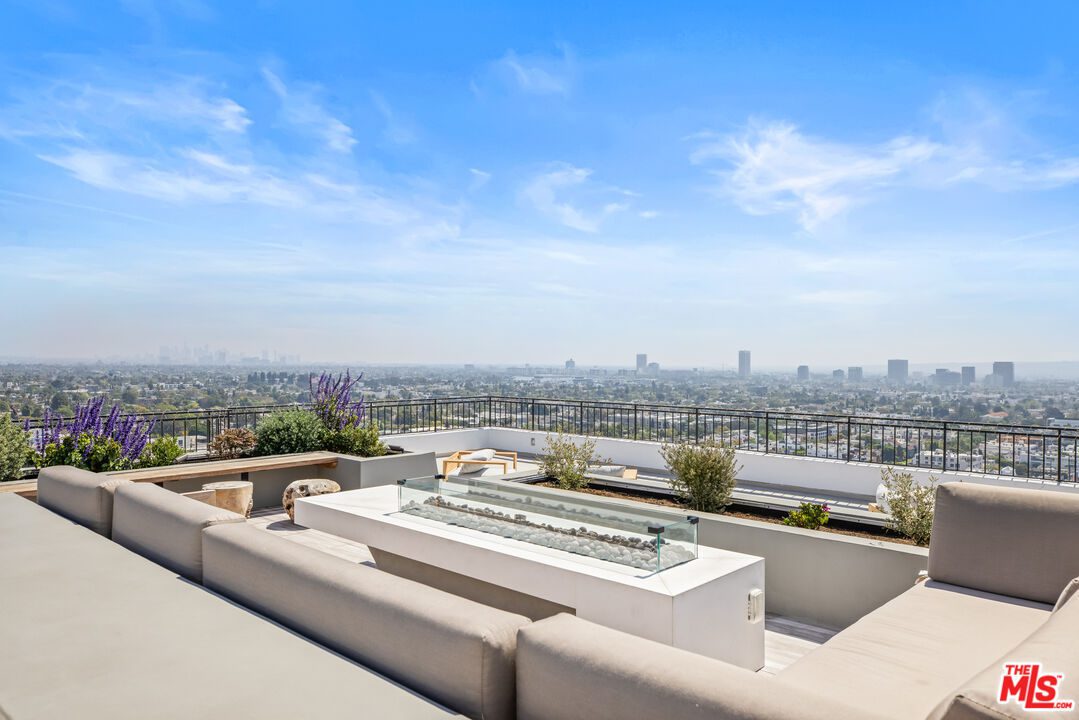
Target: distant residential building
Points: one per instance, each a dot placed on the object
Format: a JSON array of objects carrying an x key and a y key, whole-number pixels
[
  {"x": 854, "y": 374},
  {"x": 839, "y": 375},
  {"x": 570, "y": 364},
  {"x": 1006, "y": 372},
  {"x": 945, "y": 377},
  {"x": 967, "y": 375},
  {"x": 642, "y": 362},
  {"x": 997, "y": 416},
  {"x": 743, "y": 363},
  {"x": 898, "y": 371},
  {"x": 803, "y": 372}
]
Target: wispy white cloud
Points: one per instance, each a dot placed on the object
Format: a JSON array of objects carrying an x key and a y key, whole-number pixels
[
  {"x": 479, "y": 178},
  {"x": 301, "y": 108},
  {"x": 398, "y": 130},
  {"x": 561, "y": 193},
  {"x": 774, "y": 168},
  {"x": 538, "y": 75}
]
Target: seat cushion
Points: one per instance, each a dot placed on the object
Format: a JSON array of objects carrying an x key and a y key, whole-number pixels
[
  {"x": 907, "y": 655},
  {"x": 1009, "y": 541},
  {"x": 1055, "y": 645},
  {"x": 452, "y": 650},
  {"x": 79, "y": 495},
  {"x": 165, "y": 527},
  {"x": 572, "y": 669}
]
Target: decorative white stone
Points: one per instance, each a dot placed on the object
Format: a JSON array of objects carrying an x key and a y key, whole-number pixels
[{"x": 306, "y": 488}]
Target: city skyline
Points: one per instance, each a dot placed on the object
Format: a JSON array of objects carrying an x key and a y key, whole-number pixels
[{"x": 585, "y": 177}]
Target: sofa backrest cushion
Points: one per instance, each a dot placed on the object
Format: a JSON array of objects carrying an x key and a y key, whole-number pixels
[
  {"x": 452, "y": 650},
  {"x": 79, "y": 495},
  {"x": 572, "y": 669},
  {"x": 1054, "y": 645},
  {"x": 164, "y": 526},
  {"x": 1007, "y": 541}
]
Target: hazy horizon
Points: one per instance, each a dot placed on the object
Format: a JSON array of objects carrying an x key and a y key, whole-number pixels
[{"x": 531, "y": 182}]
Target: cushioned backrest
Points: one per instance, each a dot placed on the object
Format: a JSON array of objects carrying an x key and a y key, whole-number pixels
[
  {"x": 572, "y": 669},
  {"x": 1005, "y": 540},
  {"x": 79, "y": 495},
  {"x": 1055, "y": 645},
  {"x": 164, "y": 526},
  {"x": 452, "y": 650}
]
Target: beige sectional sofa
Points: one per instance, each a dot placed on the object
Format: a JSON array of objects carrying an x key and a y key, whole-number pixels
[
  {"x": 453, "y": 651},
  {"x": 998, "y": 561}
]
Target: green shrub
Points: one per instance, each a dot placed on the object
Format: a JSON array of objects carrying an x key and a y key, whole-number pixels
[
  {"x": 910, "y": 504},
  {"x": 233, "y": 443},
  {"x": 94, "y": 454},
  {"x": 14, "y": 448},
  {"x": 567, "y": 462},
  {"x": 810, "y": 516},
  {"x": 289, "y": 431},
  {"x": 703, "y": 476},
  {"x": 361, "y": 440},
  {"x": 160, "y": 452}
]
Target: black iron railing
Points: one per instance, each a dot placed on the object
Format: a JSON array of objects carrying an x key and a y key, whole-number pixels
[{"x": 1044, "y": 453}]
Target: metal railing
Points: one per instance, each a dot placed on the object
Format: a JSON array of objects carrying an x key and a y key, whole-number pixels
[{"x": 1038, "y": 452}]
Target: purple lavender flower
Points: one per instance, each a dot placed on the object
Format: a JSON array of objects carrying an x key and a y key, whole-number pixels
[
  {"x": 87, "y": 428},
  {"x": 331, "y": 399}
]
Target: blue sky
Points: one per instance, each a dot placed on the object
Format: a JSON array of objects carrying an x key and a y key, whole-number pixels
[{"x": 410, "y": 182}]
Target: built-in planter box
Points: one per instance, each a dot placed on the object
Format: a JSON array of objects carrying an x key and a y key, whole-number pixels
[{"x": 350, "y": 472}]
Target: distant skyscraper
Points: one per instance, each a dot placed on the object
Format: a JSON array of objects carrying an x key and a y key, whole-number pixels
[
  {"x": 642, "y": 362},
  {"x": 944, "y": 377},
  {"x": 898, "y": 370},
  {"x": 570, "y": 364},
  {"x": 968, "y": 374},
  {"x": 743, "y": 363},
  {"x": 803, "y": 372},
  {"x": 838, "y": 375},
  {"x": 653, "y": 368},
  {"x": 854, "y": 373},
  {"x": 1006, "y": 372}
]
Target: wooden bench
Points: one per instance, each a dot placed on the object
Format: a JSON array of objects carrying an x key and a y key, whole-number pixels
[{"x": 199, "y": 470}]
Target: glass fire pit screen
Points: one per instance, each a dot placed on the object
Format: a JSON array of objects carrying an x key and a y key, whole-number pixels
[{"x": 592, "y": 528}]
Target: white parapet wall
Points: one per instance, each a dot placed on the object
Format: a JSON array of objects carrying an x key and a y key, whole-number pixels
[{"x": 791, "y": 470}]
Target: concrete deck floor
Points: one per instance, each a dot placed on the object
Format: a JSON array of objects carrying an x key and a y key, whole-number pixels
[{"x": 785, "y": 640}]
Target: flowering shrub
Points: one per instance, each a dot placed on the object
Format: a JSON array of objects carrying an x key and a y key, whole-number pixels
[
  {"x": 93, "y": 441},
  {"x": 810, "y": 516},
  {"x": 233, "y": 443},
  {"x": 331, "y": 400}
]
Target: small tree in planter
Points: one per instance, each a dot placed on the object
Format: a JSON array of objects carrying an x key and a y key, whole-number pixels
[
  {"x": 909, "y": 504},
  {"x": 233, "y": 443},
  {"x": 567, "y": 462},
  {"x": 703, "y": 476},
  {"x": 810, "y": 516}
]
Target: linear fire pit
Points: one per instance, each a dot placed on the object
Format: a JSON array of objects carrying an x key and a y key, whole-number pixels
[{"x": 638, "y": 571}]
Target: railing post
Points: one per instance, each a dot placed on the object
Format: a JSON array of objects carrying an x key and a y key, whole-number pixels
[
  {"x": 1060, "y": 453},
  {"x": 767, "y": 432},
  {"x": 634, "y": 421},
  {"x": 848, "y": 437},
  {"x": 697, "y": 425},
  {"x": 435, "y": 426},
  {"x": 944, "y": 460},
  {"x": 490, "y": 420},
  {"x": 533, "y": 415}
]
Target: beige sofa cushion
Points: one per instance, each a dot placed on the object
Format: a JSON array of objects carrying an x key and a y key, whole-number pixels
[
  {"x": 572, "y": 669},
  {"x": 1070, "y": 590},
  {"x": 1055, "y": 645},
  {"x": 452, "y": 650},
  {"x": 79, "y": 495},
  {"x": 904, "y": 657},
  {"x": 1005, "y": 540},
  {"x": 164, "y": 526}
]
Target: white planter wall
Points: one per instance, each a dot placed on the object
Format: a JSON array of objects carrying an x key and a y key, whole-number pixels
[{"x": 811, "y": 473}]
